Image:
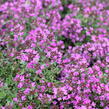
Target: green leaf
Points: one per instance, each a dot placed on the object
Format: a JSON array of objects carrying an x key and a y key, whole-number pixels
[
  {"x": 2, "y": 94},
  {"x": 11, "y": 33},
  {"x": 1, "y": 54},
  {"x": 78, "y": 44},
  {"x": 25, "y": 34},
  {"x": 37, "y": 102}
]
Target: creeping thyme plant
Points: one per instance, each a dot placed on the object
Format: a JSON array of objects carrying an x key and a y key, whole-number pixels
[{"x": 54, "y": 54}]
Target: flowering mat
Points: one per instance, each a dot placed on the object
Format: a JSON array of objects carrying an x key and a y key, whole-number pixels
[{"x": 54, "y": 54}]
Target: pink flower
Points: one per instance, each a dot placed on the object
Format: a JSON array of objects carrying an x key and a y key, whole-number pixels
[
  {"x": 86, "y": 101},
  {"x": 24, "y": 108},
  {"x": 29, "y": 107},
  {"x": 83, "y": 107},
  {"x": 22, "y": 78},
  {"x": 3, "y": 107},
  {"x": 42, "y": 88},
  {"x": 107, "y": 87},
  {"x": 23, "y": 98},
  {"x": 15, "y": 99},
  {"x": 55, "y": 91},
  {"x": 75, "y": 73},
  {"x": 33, "y": 84},
  {"x": 78, "y": 98},
  {"x": 20, "y": 85},
  {"x": 107, "y": 59},
  {"x": 27, "y": 90}
]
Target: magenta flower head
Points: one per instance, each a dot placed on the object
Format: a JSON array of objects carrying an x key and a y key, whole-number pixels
[{"x": 26, "y": 91}]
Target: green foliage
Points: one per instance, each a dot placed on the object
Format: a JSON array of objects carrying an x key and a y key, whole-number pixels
[
  {"x": 8, "y": 69},
  {"x": 51, "y": 72},
  {"x": 67, "y": 41},
  {"x": 85, "y": 21},
  {"x": 66, "y": 2},
  {"x": 66, "y": 9},
  {"x": 64, "y": 12},
  {"x": 87, "y": 39},
  {"x": 2, "y": 94},
  {"x": 78, "y": 43},
  {"x": 25, "y": 34},
  {"x": 28, "y": 26},
  {"x": 11, "y": 33},
  {"x": 7, "y": 93}
]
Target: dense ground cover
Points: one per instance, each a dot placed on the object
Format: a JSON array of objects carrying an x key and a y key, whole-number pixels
[{"x": 54, "y": 54}]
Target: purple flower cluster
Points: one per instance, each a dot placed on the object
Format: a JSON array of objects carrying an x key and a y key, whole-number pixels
[{"x": 31, "y": 32}]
